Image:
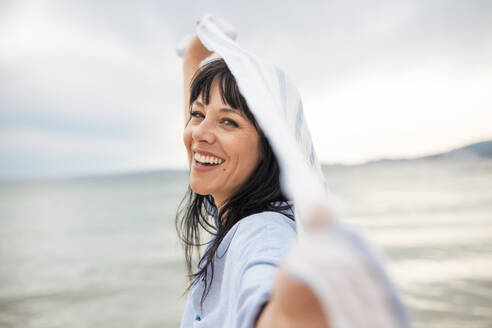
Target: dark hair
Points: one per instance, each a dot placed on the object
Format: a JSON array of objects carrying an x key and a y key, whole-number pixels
[{"x": 261, "y": 191}]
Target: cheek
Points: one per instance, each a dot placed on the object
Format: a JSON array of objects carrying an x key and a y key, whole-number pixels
[
  {"x": 250, "y": 155},
  {"x": 187, "y": 138}
]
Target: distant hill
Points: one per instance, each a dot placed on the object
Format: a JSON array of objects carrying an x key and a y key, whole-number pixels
[
  {"x": 473, "y": 151},
  {"x": 479, "y": 149}
]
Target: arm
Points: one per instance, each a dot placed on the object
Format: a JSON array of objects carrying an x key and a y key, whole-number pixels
[
  {"x": 194, "y": 54},
  {"x": 292, "y": 304}
]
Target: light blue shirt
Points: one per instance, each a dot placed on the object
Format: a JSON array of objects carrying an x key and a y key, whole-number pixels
[{"x": 244, "y": 273}]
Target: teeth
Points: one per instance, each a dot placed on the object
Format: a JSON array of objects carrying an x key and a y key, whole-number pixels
[{"x": 208, "y": 159}]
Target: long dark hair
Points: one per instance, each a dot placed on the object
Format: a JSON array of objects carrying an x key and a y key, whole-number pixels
[{"x": 261, "y": 191}]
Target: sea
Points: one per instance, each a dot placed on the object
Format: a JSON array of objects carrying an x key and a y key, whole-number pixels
[{"x": 102, "y": 251}]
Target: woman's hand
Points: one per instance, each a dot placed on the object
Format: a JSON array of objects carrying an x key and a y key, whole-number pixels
[{"x": 292, "y": 304}]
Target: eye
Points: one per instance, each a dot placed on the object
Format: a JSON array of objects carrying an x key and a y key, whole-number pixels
[
  {"x": 228, "y": 121},
  {"x": 196, "y": 114}
]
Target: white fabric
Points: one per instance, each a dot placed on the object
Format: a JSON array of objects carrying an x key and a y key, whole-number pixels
[{"x": 333, "y": 259}]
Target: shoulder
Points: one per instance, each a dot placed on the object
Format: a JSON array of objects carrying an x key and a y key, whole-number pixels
[
  {"x": 263, "y": 232},
  {"x": 266, "y": 223},
  {"x": 266, "y": 220}
]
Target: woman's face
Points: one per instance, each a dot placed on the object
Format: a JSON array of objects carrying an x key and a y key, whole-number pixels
[{"x": 223, "y": 147}]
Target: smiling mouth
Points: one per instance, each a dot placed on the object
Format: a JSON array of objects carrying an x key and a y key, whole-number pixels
[{"x": 207, "y": 160}]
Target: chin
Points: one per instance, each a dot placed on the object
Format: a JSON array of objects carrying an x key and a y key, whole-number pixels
[
  {"x": 200, "y": 192},
  {"x": 199, "y": 188}
]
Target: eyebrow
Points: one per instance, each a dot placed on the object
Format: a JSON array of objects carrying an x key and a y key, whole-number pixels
[
  {"x": 224, "y": 109},
  {"x": 232, "y": 110}
]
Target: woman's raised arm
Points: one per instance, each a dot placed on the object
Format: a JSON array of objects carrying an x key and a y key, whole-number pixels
[{"x": 194, "y": 54}]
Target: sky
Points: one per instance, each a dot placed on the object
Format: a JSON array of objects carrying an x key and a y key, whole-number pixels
[{"x": 95, "y": 86}]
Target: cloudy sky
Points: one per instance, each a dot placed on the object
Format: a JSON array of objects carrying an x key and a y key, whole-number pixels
[{"x": 96, "y": 86}]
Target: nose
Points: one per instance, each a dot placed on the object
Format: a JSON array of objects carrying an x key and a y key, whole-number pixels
[{"x": 204, "y": 132}]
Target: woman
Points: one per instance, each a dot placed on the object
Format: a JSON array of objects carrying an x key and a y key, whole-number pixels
[{"x": 235, "y": 195}]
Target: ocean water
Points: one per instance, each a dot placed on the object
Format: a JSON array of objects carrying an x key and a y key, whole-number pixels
[{"x": 103, "y": 252}]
